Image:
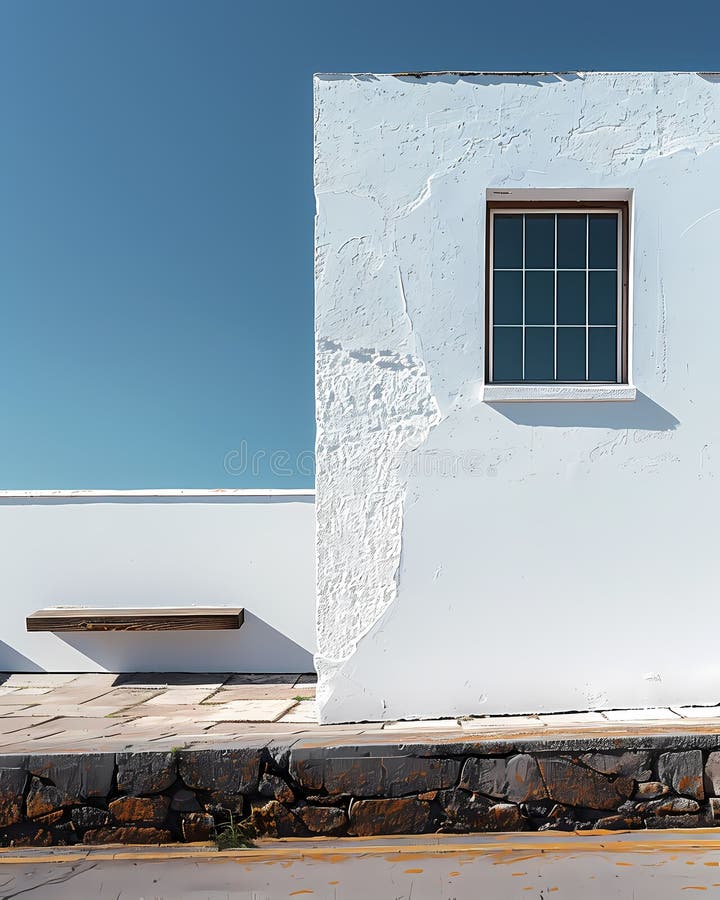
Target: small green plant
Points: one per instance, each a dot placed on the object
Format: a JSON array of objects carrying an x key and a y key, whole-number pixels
[
  {"x": 300, "y": 699},
  {"x": 233, "y": 835},
  {"x": 178, "y": 747}
]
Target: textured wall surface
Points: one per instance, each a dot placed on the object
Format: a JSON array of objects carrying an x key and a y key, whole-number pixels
[
  {"x": 252, "y": 551},
  {"x": 510, "y": 557}
]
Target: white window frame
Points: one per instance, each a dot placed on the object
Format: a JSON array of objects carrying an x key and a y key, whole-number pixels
[{"x": 584, "y": 390}]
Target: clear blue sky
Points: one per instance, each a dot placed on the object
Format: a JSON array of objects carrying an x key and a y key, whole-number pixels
[{"x": 156, "y": 209}]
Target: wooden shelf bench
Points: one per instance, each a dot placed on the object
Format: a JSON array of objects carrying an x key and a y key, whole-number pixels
[{"x": 184, "y": 618}]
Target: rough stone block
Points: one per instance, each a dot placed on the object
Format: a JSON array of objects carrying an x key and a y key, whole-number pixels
[
  {"x": 651, "y": 790},
  {"x": 372, "y": 776},
  {"x": 322, "y": 819},
  {"x": 466, "y": 811},
  {"x": 184, "y": 800},
  {"x": 228, "y": 771},
  {"x": 307, "y": 771},
  {"x": 130, "y": 834},
  {"x": 714, "y": 810},
  {"x": 712, "y": 774},
  {"x": 275, "y": 788},
  {"x": 516, "y": 779},
  {"x": 673, "y": 806},
  {"x": 222, "y": 803},
  {"x": 683, "y": 772},
  {"x": 400, "y": 816},
  {"x": 46, "y": 798},
  {"x": 12, "y": 788},
  {"x": 32, "y": 836},
  {"x": 197, "y": 826},
  {"x": 618, "y": 823},
  {"x": 152, "y": 810},
  {"x": 82, "y": 775},
  {"x": 574, "y": 785},
  {"x": 89, "y": 817},
  {"x": 689, "y": 821},
  {"x": 505, "y": 817},
  {"x": 145, "y": 773},
  {"x": 632, "y": 764},
  {"x": 51, "y": 818},
  {"x": 274, "y": 820}
]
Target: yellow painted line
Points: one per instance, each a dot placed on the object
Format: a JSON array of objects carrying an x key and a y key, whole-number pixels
[{"x": 328, "y": 849}]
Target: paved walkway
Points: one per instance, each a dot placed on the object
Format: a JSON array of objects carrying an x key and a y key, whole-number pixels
[{"x": 57, "y": 713}]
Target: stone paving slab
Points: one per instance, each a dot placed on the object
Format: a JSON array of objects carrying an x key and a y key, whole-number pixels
[{"x": 58, "y": 713}]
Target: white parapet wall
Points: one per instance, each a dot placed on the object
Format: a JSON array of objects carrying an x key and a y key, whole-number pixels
[
  {"x": 252, "y": 549},
  {"x": 507, "y": 557}
]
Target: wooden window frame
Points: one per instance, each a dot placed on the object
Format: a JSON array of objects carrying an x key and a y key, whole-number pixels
[{"x": 579, "y": 206}]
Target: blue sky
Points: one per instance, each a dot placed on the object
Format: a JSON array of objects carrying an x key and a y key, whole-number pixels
[{"x": 156, "y": 210}]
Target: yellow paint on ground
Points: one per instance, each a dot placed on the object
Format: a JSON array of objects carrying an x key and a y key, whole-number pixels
[
  {"x": 413, "y": 871},
  {"x": 507, "y": 848}
]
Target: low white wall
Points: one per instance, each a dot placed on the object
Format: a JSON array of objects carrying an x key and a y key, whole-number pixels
[
  {"x": 511, "y": 557},
  {"x": 249, "y": 549}
]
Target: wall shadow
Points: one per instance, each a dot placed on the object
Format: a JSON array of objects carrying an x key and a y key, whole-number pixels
[
  {"x": 642, "y": 414},
  {"x": 255, "y": 647},
  {"x": 12, "y": 660}
]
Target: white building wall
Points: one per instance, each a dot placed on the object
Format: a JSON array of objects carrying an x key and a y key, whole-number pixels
[
  {"x": 513, "y": 557},
  {"x": 247, "y": 549}
]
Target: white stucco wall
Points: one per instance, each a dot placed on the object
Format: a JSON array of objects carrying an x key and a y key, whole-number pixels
[
  {"x": 247, "y": 549},
  {"x": 514, "y": 557}
]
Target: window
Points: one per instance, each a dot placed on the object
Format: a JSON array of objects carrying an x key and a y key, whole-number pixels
[{"x": 557, "y": 293}]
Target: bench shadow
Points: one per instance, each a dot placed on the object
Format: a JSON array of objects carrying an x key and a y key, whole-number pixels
[{"x": 255, "y": 647}]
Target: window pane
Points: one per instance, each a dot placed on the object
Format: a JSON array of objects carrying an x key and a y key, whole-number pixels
[
  {"x": 507, "y": 298},
  {"x": 602, "y": 303},
  {"x": 572, "y": 239},
  {"x": 602, "y": 356},
  {"x": 507, "y": 354},
  {"x": 539, "y": 354},
  {"x": 539, "y": 298},
  {"x": 603, "y": 242},
  {"x": 539, "y": 242},
  {"x": 507, "y": 242},
  {"x": 571, "y": 354},
  {"x": 571, "y": 298}
]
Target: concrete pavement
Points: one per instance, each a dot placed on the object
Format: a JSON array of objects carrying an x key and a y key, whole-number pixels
[{"x": 648, "y": 866}]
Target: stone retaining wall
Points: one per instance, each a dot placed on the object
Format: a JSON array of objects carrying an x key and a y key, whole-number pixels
[{"x": 284, "y": 790}]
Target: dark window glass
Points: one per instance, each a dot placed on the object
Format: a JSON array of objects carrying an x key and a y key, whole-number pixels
[
  {"x": 602, "y": 298},
  {"x": 572, "y": 241},
  {"x": 508, "y": 242},
  {"x": 602, "y": 354},
  {"x": 539, "y": 354},
  {"x": 603, "y": 242},
  {"x": 539, "y": 298},
  {"x": 571, "y": 354},
  {"x": 507, "y": 354},
  {"x": 571, "y": 298},
  {"x": 507, "y": 298},
  {"x": 539, "y": 242}
]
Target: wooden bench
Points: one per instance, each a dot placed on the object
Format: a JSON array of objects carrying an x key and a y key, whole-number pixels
[{"x": 187, "y": 618}]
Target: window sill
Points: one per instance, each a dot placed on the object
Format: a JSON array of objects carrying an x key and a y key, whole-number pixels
[{"x": 501, "y": 393}]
